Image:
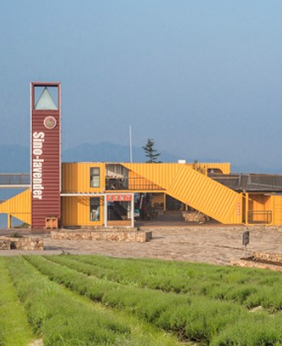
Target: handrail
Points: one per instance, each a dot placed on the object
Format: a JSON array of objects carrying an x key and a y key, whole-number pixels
[
  {"x": 133, "y": 183},
  {"x": 14, "y": 179},
  {"x": 259, "y": 216}
]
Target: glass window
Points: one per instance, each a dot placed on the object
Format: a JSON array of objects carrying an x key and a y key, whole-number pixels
[
  {"x": 95, "y": 177},
  {"x": 94, "y": 208}
]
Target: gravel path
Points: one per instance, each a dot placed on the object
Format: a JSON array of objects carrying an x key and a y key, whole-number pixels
[{"x": 216, "y": 244}]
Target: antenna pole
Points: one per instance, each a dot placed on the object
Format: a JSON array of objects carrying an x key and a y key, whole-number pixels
[{"x": 130, "y": 144}]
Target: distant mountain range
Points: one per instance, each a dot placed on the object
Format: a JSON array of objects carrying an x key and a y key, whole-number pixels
[
  {"x": 15, "y": 158},
  {"x": 109, "y": 152}
]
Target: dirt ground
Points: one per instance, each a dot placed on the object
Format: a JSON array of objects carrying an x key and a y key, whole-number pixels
[{"x": 172, "y": 239}]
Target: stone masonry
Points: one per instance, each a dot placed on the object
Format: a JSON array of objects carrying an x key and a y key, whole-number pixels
[
  {"x": 272, "y": 261},
  {"x": 21, "y": 243},
  {"x": 115, "y": 234}
]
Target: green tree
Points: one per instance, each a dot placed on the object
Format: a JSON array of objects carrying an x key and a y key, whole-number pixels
[
  {"x": 150, "y": 152},
  {"x": 199, "y": 167}
]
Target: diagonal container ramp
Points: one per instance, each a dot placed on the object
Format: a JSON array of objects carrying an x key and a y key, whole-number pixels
[
  {"x": 206, "y": 195},
  {"x": 194, "y": 189},
  {"x": 18, "y": 206}
]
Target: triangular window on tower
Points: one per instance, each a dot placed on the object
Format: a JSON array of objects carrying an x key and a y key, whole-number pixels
[{"x": 45, "y": 101}]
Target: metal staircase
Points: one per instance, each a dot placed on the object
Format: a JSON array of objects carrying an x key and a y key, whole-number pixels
[
  {"x": 206, "y": 195},
  {"x": 195, "y": 189}
]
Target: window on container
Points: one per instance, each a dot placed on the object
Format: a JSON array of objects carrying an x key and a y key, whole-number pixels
[
  {"x": 95, "y": 177},
  {"x": 94, "y": 208}
]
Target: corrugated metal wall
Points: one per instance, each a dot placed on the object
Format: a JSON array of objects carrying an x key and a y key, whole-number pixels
[
  {"x": 179, "y": 181},
  {"x": 207, "y": 196},
  {"x": 45, "y": 159},
  {"x": 139, "y": 183},
  {"x": 195, "y": 189},
  {"x": 260, "y": 209},
  {"x": 18, "y": 206},
  {"x": 76, "y": 211},
  {"x": 277, "y": 210},
  {"x": 76, "y": 177},
  {"x": 162, "y": 174},
  {"x": 259, "y": 202}
]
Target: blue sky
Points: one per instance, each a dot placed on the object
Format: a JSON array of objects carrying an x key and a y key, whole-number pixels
[{"x": 200, "y": 77}]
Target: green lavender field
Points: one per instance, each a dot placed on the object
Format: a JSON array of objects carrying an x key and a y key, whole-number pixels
[{"x": 73, "y": 300}]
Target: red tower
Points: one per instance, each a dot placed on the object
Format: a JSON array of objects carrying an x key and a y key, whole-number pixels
[{"x": 45, "y": 152}]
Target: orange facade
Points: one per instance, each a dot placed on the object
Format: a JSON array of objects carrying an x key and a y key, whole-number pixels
[{"x": 85, "y": 187}]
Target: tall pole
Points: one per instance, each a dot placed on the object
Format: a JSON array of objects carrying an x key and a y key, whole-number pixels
[{"x": 130, "y": 144}]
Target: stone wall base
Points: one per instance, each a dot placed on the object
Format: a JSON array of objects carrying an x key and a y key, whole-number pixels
[
  {"x": 5, "y": 244},
  {"x": 262, "y": 261},
  {"x": 113, "y": 234},
  {"x": 21, "y": 243},
  {"x": 194, "y": 216}
]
